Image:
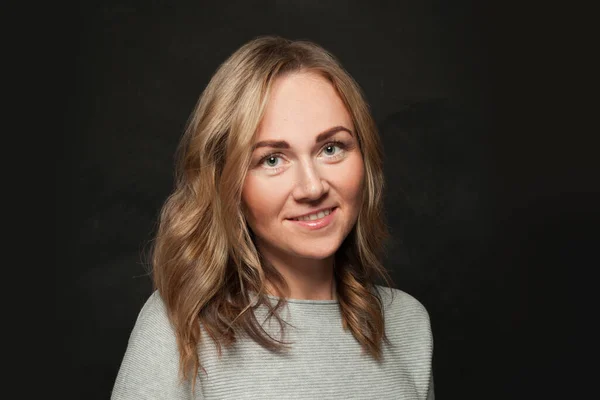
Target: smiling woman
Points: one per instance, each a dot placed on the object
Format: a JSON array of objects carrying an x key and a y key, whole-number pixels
[{"x": 267, "y": 250}]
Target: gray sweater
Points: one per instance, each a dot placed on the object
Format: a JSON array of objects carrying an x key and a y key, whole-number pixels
[{"x": 325, "y": 362}]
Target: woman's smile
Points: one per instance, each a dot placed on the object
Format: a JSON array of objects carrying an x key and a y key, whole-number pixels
[{"x": 315, "y": 221}]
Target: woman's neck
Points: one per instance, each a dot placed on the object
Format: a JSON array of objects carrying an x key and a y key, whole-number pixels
[{"x": 307, "y": 279}]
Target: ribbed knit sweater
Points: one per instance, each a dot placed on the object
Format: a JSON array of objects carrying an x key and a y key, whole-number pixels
[{"x": 325, "y": 361}]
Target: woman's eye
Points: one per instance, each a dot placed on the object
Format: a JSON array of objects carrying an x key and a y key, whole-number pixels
[
  {"x": 331, "y": 149},
  {"x": 271, "y": 161}
]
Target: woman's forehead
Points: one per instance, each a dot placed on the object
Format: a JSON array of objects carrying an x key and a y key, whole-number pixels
[{"x": 300, "y": 105}]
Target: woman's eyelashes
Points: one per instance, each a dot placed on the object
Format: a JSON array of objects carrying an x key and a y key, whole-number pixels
[{"x": 332, "y": 151}]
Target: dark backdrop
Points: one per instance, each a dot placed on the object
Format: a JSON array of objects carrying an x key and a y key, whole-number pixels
[{"x": 485, "y": 220}]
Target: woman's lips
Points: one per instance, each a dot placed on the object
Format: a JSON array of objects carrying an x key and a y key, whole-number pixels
[{"x": 316, "y": 223}]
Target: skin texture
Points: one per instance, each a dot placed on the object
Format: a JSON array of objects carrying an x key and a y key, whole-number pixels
[{"x": 283, "y": 183}]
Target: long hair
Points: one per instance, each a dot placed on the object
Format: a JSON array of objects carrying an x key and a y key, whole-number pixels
[{"x": 205, "y": 263}]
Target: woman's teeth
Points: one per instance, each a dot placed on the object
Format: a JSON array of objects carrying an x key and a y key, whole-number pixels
[{"x": 312, "y": 217}]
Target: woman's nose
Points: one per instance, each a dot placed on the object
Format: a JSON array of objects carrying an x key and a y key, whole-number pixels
[{"x": 310, "y": 184}]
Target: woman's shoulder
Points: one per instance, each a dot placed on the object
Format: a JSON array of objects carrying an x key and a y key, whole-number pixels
[
  {"x": 397, "y": 299},
  {"x": 151, "y": 361},
  {"x": 154, "y": 308},
  {"x": 403, "y": 309},
  {"x": 408, "y": 330},
  {"x": 152, "y": 323}
]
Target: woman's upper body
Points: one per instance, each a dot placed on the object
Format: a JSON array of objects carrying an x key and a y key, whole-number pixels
[
  {"x": 278, "y": 194},
  {"x": 325, "y": 361}
]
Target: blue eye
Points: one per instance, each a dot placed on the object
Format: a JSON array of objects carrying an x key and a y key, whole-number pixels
[
  {"x": 330, "y": 149},
  {"x": 271, "y": 161},
  {"x": 333, "y": 149}
]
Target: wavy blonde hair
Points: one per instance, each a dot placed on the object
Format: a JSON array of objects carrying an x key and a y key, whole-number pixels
[{"x": 205, "y": 263}]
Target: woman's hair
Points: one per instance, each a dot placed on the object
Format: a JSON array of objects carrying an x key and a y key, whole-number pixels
[{"x": 205, "y": 263}]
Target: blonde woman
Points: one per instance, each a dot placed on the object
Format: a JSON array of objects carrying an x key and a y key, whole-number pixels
[{"x": 267, "y": 250}]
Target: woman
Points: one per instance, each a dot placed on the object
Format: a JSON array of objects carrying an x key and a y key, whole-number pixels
[{"x": 267, "y": 250}]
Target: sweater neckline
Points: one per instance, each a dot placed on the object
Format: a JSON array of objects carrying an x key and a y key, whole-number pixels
[
  {"x": 305, "y": 301},
  {"x": 299, "y": 301}
]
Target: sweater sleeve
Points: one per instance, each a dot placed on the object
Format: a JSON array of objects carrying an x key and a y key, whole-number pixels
[
  {"x": 150, "y": 366},
  {"x": 430, "y": 393}
]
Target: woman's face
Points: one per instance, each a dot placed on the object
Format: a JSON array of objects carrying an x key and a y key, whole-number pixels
[{"x": 305, "y": 162}]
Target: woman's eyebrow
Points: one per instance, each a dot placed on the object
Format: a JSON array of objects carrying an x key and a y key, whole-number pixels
[{"x": 321, "y": 137}]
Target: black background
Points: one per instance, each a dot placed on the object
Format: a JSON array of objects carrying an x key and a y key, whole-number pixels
[{"x": 490, "y": 225}]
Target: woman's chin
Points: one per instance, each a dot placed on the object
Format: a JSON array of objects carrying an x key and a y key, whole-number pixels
[{"x": 316, "y": 253}]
